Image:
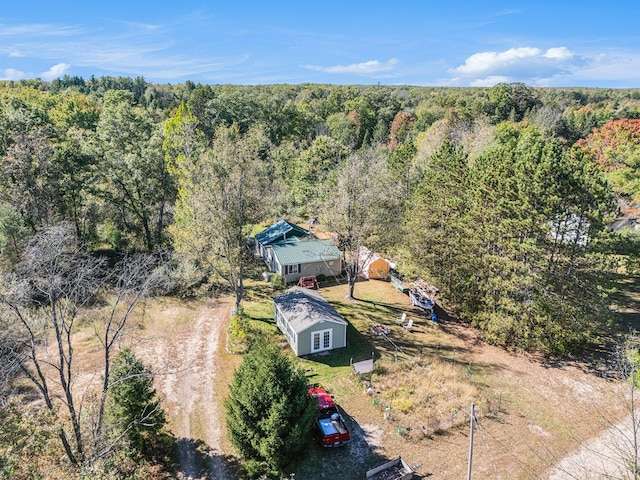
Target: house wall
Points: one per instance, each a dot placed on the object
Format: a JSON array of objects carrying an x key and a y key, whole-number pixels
[
  {"x": 326, "y": 268},
  {"x": 286, "y": 330}
]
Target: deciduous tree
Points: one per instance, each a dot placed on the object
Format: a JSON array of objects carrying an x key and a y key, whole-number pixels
[
  {"x": 359, "y": 207},
  {"x": 136, "y": 184},
  {"x": 616, "y": 148},
  {"x": 222, "y": 192},
  {"x": 41, "y": 304}
]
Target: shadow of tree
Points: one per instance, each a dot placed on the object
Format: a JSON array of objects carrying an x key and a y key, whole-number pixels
[
  {"x": 348, "y": 461},
  {"x": 358, "y": 348},
  {"x": 599, "y": 357},
  {"x": 196, "y": 459}
]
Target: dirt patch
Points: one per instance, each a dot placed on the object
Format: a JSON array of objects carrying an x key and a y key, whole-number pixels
[
  {"x": 185, "y": 356},
  {"x": 606, "y": 457}
]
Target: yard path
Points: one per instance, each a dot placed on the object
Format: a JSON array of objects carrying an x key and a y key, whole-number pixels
[
  {"x": 605, "y": 457},
  {"x": 184, "y": 360}
]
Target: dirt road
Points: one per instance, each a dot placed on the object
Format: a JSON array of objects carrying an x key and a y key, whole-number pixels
[
  {"x": 183, "y": 356},
  {"x": 610, "y": 455}
]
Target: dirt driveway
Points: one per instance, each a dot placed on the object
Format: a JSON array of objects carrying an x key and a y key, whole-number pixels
[{"x": 181, "y": 344}]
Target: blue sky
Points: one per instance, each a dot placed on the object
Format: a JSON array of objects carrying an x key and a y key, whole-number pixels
[{"x": 421, "y": 42}]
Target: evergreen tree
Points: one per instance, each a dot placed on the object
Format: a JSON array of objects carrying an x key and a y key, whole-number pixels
[
  {"x": 132, "y": 407},
  {"x": 508, "y": 239},
  {"x": 269, "y": 413}
]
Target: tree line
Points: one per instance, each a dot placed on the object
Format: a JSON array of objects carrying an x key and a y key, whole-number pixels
[
  {"x": 502, "y": 197},
  {"x": 514, "y": 183}
]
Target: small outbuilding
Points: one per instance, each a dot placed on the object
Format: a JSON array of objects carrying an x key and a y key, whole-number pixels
[
  {"x": 309, "y": 323},
  {"x": 373, "y": 266}
]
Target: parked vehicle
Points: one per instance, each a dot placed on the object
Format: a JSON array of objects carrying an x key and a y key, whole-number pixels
[
  {"x": 329, "y": 424},
  {"x": 308, "y": 282}
]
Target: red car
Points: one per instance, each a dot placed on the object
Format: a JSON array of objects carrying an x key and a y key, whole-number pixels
[{"x": 331, "y": 427}]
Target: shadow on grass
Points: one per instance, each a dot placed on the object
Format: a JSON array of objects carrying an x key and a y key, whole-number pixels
[
  {"x": 600, "y": 357},
  {"x": 358, "y": 348},
  {"x": 393, "y": 308}
]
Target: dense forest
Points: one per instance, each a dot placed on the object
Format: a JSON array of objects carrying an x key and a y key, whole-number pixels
[{"x": 503, "y": 197}]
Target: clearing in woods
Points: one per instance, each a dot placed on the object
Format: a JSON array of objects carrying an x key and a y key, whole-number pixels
[{"x": 531, "y": 411}]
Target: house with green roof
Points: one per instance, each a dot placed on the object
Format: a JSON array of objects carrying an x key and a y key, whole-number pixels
[
  {"x": 278, "y": 232},
  {"x": 309, "y": 323},
  {"x": 293, "y": 252},
  {"x": 303, "y": 257}
]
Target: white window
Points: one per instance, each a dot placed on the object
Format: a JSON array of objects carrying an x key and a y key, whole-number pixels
[
  {"x": 292, "y": 269},
  {"x": 326, "y": 339},
  {"x": 321, "y": 340}
]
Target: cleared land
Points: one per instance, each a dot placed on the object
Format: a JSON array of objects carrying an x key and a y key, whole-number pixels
[{"x": 531, "y": 411}]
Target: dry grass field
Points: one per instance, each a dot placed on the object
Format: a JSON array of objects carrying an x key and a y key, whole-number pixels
[{"x": 530, "y": 411}]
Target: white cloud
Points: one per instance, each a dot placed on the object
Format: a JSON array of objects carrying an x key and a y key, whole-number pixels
[
  {"x": 128, "y": 49},
  {"x": 528, "y": 64},
  {"x": 559, "y": 53},
  {"x": 485, "y": 63},
  {"x": 39, "y": 29},
  {"x": 489, "y": 81},
  {"x": 55, "y": 71},
  {"x": 617, "y": 68},
  {"x": 365, "y": 68},
  {"x": 11, "y": 74}
]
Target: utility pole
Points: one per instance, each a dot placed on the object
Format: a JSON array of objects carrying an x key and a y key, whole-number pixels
[{"x": 471, "y": 427}]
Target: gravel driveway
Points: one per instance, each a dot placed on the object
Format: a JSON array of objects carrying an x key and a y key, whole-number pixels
[{"x": 183, "y": 359}]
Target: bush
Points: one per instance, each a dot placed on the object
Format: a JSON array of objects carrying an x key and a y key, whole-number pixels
[
  {"x": 238, "y": 333},
  {"x": 277, "y": 281}
]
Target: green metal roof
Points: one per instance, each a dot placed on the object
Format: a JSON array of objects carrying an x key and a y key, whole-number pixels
[
  {"x": 305, "y": 250},
  {"x": 278, "y": 231}
]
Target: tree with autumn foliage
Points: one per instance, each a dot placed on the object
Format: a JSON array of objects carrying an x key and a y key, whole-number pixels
[{"x": 616, "y": 148}]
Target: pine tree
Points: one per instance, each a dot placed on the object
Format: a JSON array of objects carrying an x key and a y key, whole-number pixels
[
  {"x": 133, "y": 409},
  {"x": 269, "y": 413}
]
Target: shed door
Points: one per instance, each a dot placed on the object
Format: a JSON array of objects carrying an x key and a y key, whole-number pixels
[{"x": 321, "y": 340}]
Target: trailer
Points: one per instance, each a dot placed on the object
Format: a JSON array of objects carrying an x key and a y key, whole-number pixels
[
  {"x": 421, "y": 299},
  {"x": 396, "y": 469}
]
